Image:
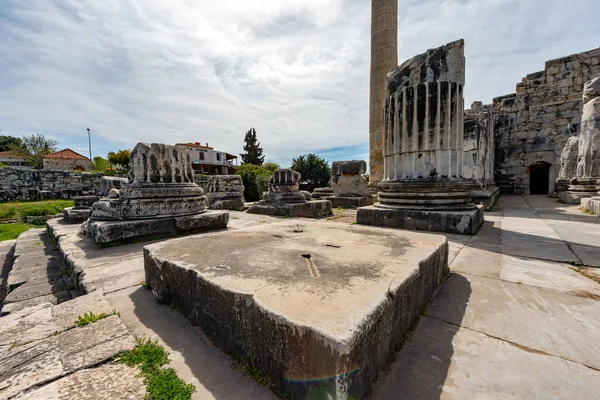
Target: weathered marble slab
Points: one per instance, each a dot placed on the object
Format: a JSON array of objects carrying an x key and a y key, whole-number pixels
[{"x": 316, "y": 306}]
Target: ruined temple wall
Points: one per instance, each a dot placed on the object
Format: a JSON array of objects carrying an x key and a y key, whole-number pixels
[
  {"x": 533, "y": 125},
  {"x": 478, "y": 145},
  {"x": 27, "y": 184}
]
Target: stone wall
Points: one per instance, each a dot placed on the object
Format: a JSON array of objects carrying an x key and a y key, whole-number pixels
[
  {"x": 67, "y": 164},
  {"x": 19, "y": 184},
  {"x": 478, "y": 144},
  {"x": 533, "y": 125}
]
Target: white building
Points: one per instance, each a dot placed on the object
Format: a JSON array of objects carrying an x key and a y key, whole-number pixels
[{"x": 206, "y": 160}]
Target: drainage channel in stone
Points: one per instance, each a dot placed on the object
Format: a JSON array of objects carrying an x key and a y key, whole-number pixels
[{"x": 312, "y": 268}]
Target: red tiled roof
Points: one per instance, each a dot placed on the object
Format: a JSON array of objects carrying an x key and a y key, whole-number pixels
[
  {"x": 9, "y": 154},
  {"x": 67, "y": 154}
]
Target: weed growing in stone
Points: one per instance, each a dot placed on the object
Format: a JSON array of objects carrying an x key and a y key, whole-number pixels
[
  {"x": 115, "y": 312},
  {"x": 166, "y": 385},
  {"x": 161, "y": 383},
  {"x": 145, "y": 284},
  {"x": 14, "y": 344},
  {"x": 87, "y": 319}
]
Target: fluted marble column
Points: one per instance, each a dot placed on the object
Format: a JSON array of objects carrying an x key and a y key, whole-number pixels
[
  {"x": 384, "y": 57},
  {"x": 423, "y": 187},
  {"x": 424, "y": 126}
]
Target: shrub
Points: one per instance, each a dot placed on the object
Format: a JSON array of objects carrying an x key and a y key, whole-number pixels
[{"x": 255, "y": 179}]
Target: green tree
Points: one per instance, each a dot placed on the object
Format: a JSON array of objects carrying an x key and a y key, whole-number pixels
[
  {"x": 253, "y": 152},
  {"x": 255, "y": 179},
  {"x": 120, "y": 158},
  {"x": 34, "y": 148},
  {"x": 315, "y": 171},
  {"x": 9, "y": 143},
  {"x": 100, "y": 164}
]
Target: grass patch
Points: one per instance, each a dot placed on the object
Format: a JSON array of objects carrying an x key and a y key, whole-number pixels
[
  {"x": 166, "y": 385},
  {"x": 33, "y": 208},
  {"x": 87, "y": 319},
  {"x": 161, "y": 383},
  {"x": 12, "y": 231}
]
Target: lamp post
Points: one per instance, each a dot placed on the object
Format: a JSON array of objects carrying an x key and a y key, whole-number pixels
[{"x": 90, "y": 143}]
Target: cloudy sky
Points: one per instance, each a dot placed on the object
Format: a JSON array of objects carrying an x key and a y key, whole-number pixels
[{"x": 204, "y": 70}]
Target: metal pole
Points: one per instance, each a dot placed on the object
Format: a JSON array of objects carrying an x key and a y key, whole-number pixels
[{"x": 90, "y": 143}]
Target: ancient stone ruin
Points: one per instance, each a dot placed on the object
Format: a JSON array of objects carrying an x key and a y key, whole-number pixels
[
  {"x": 321, "y": 193},
  {"x": 588, "y": 154},
  {"x": 478, "y": 146},
  {"x": 225, "y": 192},
  {"x": 160, "y": 200},
  {"x": 423, "y": 185},
  {"x": 27, "y": 184},
  {"x": 301, "y": 300},
  {"x": 384, "y": 57},
  {"x": 349, "y": 186},
  {"x": 533, "y": 125},
  {"x": 568, "y": 165},
  {"x": 284, "y": 198},
  {"x": 83, "y": 204}
]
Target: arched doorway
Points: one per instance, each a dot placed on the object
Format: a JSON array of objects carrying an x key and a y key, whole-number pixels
[{"x": 539, "y": 178}]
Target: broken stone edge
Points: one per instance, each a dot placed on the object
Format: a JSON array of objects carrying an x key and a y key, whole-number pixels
[
  {"x": 311, "y": 209},
  {"x": 462, "y": 222},
  {"x": 233, "y": 319},
  {"x": 107, "y": 233}
]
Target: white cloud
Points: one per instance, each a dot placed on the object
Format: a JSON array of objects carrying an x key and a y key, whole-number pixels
[{"x": 203, "y": 70}]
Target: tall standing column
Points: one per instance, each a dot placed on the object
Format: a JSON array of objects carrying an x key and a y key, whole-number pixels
[
  {"x": 423, "y": 185},
  {"x": 384, "y": 58}
]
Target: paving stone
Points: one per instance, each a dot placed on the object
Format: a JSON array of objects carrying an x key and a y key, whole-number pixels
[
  {"x": 27, "y": 292},
  {"x": 449, "y": 362},
  {"x": 114, "y": 382},
  {"x": 540, "y": 319},
  {"x": 54, "y": 298},
  {"x": 41, "y": 321},
  {"x": 25, "y": 367}
]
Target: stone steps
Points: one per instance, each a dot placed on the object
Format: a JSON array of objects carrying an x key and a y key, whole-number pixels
[
  {"x": 37, "y": 275},
  {"x": 43, "y": 354}
]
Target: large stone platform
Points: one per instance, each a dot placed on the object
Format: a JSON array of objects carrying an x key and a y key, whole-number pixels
[
  {"x": 316, "y": 306},
  {"x": 310, "y": 209},
  {"x": 466, "y": 222}
]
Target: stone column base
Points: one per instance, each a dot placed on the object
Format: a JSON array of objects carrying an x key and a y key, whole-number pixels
[
  {"x": 574, "y": 197},
  {"x": 486, "y": 196},
  {"x": 350, "y": 202},
  {"x": 107, "y": 233},
  {"x": 75, "y": 216},
  {"x": 465, "y": 222},
  {"x": 591, "y": 204},
  {"x": 311, "y": 209}
]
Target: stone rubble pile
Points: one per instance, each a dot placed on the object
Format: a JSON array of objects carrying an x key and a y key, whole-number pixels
[
  {"x": 349, "y": 186},
  {"x": 284, "y": 198},
  {"x": 225, "y": 192}
]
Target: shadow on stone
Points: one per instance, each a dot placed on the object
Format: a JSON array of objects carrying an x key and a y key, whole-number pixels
[{"x": 419, "y": 370}]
